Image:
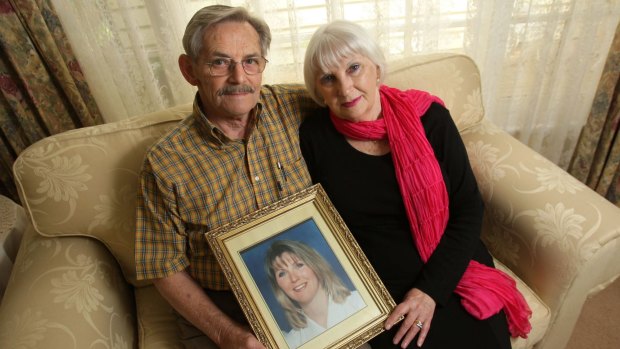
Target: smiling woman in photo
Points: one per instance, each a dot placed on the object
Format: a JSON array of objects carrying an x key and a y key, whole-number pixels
[{"x": 313, "y": 297}]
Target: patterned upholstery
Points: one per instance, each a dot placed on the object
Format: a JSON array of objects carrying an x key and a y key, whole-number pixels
[
  {"x": 73, "y": 283},
  {"x": 13, "y": 221}
]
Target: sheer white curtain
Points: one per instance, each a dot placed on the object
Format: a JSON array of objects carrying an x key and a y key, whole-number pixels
[{"x": 540, "y": 59}]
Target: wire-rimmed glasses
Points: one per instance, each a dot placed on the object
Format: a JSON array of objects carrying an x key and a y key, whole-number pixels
[{"x": 223, "y": 66}]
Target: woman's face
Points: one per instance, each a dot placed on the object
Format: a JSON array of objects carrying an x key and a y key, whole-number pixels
[
  {"x": 295, "y": 278},
  {"x": 351, "y": 90}
]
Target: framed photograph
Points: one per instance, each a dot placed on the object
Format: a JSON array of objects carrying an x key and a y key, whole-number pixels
[{"x": 299, "y": 275}]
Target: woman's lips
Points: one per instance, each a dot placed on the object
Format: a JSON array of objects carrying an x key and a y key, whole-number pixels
[{"x": 351, "y": 103}]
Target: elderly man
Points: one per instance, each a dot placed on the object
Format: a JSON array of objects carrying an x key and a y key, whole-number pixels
[{"x": 237, "y": 152}]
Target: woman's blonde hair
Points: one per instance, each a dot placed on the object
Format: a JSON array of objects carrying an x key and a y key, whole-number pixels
[
  {"x": 333, "y": 42},
  {"x": 328, "y": 279}
]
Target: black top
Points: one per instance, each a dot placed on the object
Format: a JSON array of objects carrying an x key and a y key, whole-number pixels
[{"x": 364, "y": 190}]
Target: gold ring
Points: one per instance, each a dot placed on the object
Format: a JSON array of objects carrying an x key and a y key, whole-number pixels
[{"x": 419, "y": 324}]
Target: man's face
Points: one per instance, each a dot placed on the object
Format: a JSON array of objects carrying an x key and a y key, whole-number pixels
[{"x": 231, "y": 96}]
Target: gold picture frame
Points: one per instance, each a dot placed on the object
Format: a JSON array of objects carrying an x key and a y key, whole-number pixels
[{"x": 306, "y": 218}]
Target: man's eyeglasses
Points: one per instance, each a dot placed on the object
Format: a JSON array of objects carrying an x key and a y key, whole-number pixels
[{"x": 223, "y": 66}]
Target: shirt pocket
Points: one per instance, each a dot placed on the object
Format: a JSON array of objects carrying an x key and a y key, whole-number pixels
[{"x": 295, "y": 173}]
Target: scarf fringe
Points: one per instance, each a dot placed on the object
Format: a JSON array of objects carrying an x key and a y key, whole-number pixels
[{"x": 483, "y": 302}]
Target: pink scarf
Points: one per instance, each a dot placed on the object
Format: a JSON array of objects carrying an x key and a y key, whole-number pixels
[{"x": 484, "y": 290}]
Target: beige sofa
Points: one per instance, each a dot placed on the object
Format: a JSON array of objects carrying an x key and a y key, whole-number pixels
[{"x": 73, "y": 284}]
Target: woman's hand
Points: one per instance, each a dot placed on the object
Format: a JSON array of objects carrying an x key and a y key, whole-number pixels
[{"x": 418, "y": 308}]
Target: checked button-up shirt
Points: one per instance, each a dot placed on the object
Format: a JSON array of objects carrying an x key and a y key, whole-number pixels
[{"x": 195, "y": 179}]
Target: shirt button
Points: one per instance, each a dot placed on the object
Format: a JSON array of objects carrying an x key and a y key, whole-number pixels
[{"x": 256, "y": 178}]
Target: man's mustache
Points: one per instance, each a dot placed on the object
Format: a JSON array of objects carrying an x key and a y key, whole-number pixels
[{"x": 226, "y": 90}]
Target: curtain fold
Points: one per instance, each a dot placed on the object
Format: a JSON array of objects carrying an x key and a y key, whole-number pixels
[
  {"x": 596, "y": 160},
  {"x": 42, "y": 88}
]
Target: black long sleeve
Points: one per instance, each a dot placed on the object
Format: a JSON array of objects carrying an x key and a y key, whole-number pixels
[{"x": 364, "y": 190}]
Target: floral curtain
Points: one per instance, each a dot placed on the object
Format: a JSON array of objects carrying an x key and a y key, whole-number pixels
[
  {"x": 42, "y": 88},
  {"x": 596, "y": 160}
]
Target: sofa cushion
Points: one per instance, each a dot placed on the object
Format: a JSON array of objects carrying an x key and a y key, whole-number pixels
[
  {"x": 541, "y": 315},
  {"x": 453, "y": 78},
  {"x": 84, "y": 181},
  {"x": 13, "y": 222},
  {"x": 66, "y": 293}
]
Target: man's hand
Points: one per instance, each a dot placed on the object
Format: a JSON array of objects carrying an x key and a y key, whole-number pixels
[
  {"x": 191, "y": 301},
  {"x": 236, "y": 336},
  {"x": 418, "y": 309}
]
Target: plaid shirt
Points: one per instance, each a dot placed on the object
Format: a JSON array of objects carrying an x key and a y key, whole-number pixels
[{"x": 196, "y": 179}]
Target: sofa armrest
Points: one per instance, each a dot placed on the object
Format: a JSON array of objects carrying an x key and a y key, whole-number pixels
[
  {"x": 66, "y": 292},
  {"x": 555, "y": 233}
]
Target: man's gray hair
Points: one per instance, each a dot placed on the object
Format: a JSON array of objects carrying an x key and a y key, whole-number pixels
[{"x": 209, "y": 16}]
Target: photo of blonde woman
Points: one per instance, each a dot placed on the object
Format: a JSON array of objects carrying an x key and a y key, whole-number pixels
[
  {"x": 313, "y": 297},
  {"x": 302, "y": 282}
]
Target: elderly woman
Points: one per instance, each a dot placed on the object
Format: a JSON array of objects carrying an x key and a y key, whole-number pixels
[
  {"x": 396, "y": 169},
  {"x": 313, "y": 297}
]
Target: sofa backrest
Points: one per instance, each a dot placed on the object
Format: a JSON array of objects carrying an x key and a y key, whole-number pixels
[
  {"x": 452, "y": 77},
  {"x": 83, "y": 182}
]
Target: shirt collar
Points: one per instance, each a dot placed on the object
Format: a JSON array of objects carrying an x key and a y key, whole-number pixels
[{"x": 213, "y": 134}]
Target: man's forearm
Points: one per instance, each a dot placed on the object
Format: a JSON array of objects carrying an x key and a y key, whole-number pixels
[{"x": 190, "y": 300}]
